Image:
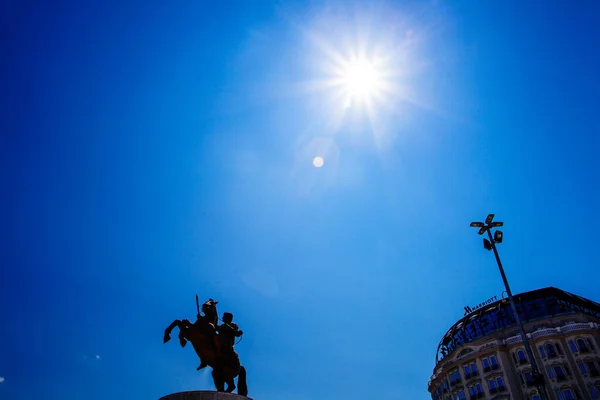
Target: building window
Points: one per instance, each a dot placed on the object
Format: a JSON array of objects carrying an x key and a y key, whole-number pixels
[
  {"x": 527, "y": 379},
  {"x": 496, "y": 384},
  {"x": 591, "y": 366},
  {"x": 593, "y": 392},
  {"x": 582, "y": 346},
  {"x": 492, "y": 385},
  {"x": 494, "y": 362},
  {"x": 569, "y": 395},
  {"x": 521, "y": 357},
  {"x": 591, "y": 343},
  {"x": 560, "y": 374},
  {"x": 489, "y": 363},
  {"x": 472, "y": 391},
  {"x": 559, "y": 395},
  {"x": 470, "y": 370},
  {"x": 582, "y": 368},
  {"x": 550, "y": 373},
  {"x": 572, "y": 346},
  {"x": 479, "y": 390},
  {"x": 500, "y": 383},
  {"x": 550, "y": 350},
  {"x": 451, "y": 377},
  {"x": 461, "y": 395},
  {"x": 454, "y": 377},
  {"x": 535, "y": 397},
  {"x": 542, "y": 352},
  {"x": 486, "y": 364}
]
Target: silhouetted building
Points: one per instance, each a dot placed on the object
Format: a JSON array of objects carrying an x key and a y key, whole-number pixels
[{"x": 482, "y": 355}]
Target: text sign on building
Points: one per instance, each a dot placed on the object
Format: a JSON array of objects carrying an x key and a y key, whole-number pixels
[{"x": 469, "y": 310}]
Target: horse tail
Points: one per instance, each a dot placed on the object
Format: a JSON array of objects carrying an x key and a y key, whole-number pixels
[{"x": 242, "y": 385}]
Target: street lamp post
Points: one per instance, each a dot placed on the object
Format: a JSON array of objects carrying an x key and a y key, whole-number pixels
[{"x": 537, "y": 377}]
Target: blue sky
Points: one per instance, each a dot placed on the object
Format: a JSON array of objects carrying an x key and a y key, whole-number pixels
[{"x": 153, "y": 152}]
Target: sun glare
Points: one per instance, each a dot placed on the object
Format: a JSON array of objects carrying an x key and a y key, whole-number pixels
[
  {"x": 360, "y": 78},
  {"x": 363, "y": 66}
]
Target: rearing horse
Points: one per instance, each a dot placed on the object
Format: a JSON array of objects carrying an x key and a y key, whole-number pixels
[{"x": 206, "y": 343}]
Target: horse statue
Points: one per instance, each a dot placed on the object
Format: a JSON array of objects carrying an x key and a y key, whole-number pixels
[{"x": 207, "y": 344}]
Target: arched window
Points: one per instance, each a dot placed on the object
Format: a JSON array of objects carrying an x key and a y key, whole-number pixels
[
  {"x": 521, "y": 357},
  {"x": 582, "y": 346},
  {"x": 550, "y": 351}
]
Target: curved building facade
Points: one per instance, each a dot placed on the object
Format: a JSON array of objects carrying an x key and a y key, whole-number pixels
[{"x": 482, "y": 355}]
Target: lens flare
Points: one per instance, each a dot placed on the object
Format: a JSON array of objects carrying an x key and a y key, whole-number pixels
[{"x": 318, "y": 162}]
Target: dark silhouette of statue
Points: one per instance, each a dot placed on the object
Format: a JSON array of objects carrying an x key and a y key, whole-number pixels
[
  {"x": 207, "y": 323},
  {"x": 228, "y": 331},
  {"x": 213, "y": 344}
]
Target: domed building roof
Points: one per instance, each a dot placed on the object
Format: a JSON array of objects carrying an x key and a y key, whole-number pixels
[{"x": 531, "y": 306}]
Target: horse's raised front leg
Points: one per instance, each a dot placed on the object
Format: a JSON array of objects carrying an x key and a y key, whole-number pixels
[
  {"x": 183, "y": 328},
  {"x": 167, "y": 336}
]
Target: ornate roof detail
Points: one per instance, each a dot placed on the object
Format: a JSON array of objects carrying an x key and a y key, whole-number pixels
[{"x": 533, "y": 305}]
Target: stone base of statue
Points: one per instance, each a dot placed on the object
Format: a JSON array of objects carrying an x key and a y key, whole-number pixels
[{"x": 203, "y": 395}]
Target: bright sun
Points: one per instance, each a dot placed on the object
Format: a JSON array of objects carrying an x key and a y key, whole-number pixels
[{"x": 360, "y": 78}]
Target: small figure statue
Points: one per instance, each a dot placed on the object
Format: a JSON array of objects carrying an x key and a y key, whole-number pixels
[{"x": 228, "y": 331}]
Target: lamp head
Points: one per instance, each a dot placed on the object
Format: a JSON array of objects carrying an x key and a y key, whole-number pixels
[
  {"x": 498, "y": 236},
  {"x": 486, "y": 244}
]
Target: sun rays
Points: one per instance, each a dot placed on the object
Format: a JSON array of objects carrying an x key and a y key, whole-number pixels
[{"x": 361, "y": 74}]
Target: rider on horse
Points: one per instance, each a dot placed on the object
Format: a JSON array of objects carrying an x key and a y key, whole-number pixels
[
  {"x": 213, "y": 344},
  {"x": 228, "y": 331}
]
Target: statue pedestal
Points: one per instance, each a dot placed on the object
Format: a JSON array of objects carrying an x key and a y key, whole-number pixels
[{"x": 203, "y": 395}]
